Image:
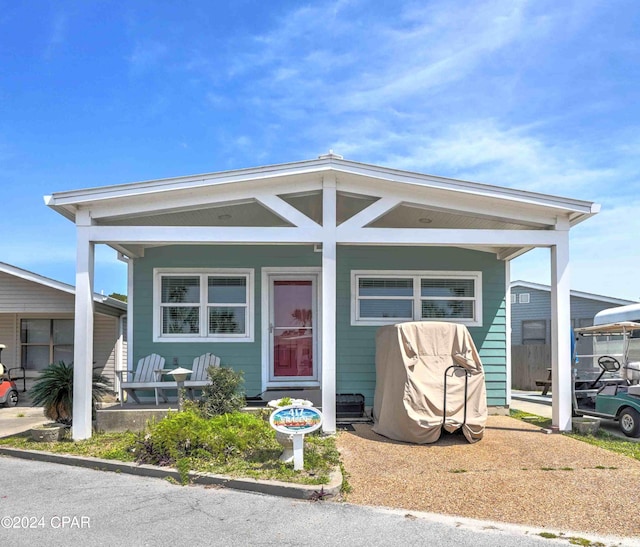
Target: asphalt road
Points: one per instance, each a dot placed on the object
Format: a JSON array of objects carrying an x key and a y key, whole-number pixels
[{"x": 44, "y": 504}]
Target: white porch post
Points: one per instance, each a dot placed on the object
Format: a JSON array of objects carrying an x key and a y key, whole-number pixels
[
  {"x": 83, "y": 335},
  {"x": 560, "y": 333},
  {"x": 507, "y": 275},
  {"x": 329, "y": 304}
]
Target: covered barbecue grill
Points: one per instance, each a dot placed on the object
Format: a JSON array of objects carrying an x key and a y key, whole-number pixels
[{"x": 428, "y": 376}]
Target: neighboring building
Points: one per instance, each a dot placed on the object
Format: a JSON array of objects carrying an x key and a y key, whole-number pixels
[
  {"x": 531, "y": 325},
  {"x": 286, "y": 271},
  {"x": 37, "y": 325}
]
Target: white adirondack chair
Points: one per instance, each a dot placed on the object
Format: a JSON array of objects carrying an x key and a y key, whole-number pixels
[
  {"x": 146, "y": 376},
  {"x": 198, "y": 377}
]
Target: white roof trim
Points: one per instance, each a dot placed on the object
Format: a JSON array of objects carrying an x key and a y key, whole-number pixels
[
  {"x": 578, "y": 294},
  {"x": 67, "y": 202},
  {"x": 58, "y": 285}
]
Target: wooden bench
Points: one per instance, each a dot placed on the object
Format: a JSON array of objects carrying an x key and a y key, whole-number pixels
[{"x": 545, "y": 384}]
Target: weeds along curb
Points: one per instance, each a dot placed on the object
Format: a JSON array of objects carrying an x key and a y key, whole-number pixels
[{"x": 273, "y": 488}]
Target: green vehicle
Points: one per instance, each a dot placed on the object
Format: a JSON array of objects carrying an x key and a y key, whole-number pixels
[{"x": 615, "y": 393}]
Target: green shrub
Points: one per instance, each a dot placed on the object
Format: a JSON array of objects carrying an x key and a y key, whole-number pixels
[
  {"x": 189, "y": 435},
  {"x": 224, "y": 395}
]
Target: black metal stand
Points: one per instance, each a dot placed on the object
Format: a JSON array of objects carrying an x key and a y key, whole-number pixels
[{"x": 466, "y": 387}]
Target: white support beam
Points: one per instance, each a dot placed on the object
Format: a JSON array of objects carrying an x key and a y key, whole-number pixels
[
  {"x": 285, "y": 211},
  {"x": 130, "y": 317},
  {"x": 125, "y": 235},
  {"x": 371, "y": 213},
  {"x": 560, "y": 334},
  {"x": 329, "y": 304},
  {"x": 507, "y": 304},
  {"x": 83, "y": 336},
  {"x": 462, "y": 203},
  {"x": 438, "y": 236},
  {"x": 191, "y": 198}
]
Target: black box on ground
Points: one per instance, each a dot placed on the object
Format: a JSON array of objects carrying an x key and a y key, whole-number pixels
[{"x": 349, "y": 405}]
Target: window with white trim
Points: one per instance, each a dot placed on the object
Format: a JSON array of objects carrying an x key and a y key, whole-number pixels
[
  {"x": 524, "y": 298},
  {"x": 381, "y": 298},
  {"x": 203, "y": 305}
]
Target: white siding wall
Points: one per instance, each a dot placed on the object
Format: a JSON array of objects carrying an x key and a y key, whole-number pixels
[
  {"x": 105, "y": 337},
  {"x": 19, "y": 295},
  {"x": 20, "y": 298},
  {"x": 8, "y": 337}
]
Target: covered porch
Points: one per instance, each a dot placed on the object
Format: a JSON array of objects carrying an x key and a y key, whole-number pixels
[{"x": 327, "y": 208}]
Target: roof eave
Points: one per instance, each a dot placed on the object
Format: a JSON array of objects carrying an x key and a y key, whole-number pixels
[{"x": 65, "y": 202}]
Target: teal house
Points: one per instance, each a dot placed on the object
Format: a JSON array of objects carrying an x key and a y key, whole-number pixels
[{"x": 287, "y": 271}]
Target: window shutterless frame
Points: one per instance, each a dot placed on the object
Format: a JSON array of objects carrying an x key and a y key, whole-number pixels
[
  {"x": 420, "y": 303},
  {"x": 238, "y": 313}
]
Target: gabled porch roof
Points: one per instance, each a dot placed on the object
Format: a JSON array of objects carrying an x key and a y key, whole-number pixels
[
  {"x": 328, "y": 201},
  {"x": 286, "y": 201}
]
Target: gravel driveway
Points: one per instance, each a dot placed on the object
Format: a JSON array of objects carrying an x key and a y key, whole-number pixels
[{"x": 516, "y": 474}]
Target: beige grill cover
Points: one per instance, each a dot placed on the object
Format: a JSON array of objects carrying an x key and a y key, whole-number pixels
[{"x": 411, "y": 359}]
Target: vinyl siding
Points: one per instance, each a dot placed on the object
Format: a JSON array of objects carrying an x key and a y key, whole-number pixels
[
  {"x": 539, "y": 307},
  {"x": 19, "y": 295},
  {"x": 104, "y": 339},
  {"x": 105, "y": 336},
  {"x": 355, "y": 367},
  {"x": 245, "y": 356},
  {"x": 8, "y": 338},
  {"x": 355, "y": 345}
]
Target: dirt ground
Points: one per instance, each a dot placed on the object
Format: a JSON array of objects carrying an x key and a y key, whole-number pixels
[{"x": 516, "y": 474}]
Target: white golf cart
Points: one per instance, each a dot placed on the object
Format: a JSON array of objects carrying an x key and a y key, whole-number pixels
[{"x": 611, "y": 390}]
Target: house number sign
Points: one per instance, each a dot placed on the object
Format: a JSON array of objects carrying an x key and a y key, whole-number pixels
[{"x": 295, "y": 420}]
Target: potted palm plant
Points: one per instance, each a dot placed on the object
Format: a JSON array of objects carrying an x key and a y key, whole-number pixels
[{"x": 54, "y": 392}]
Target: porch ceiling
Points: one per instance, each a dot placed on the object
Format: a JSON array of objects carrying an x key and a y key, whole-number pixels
[{"x": 249, "y": 213}]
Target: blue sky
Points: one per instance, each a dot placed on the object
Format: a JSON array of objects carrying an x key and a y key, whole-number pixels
[{"x": 537, "y": 95}]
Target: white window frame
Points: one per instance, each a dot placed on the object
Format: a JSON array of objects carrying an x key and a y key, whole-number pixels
[
  {"x": 203, "y": 305},
  {"x": 416, "y": 276},
  {"x": 524, "y": 298}
]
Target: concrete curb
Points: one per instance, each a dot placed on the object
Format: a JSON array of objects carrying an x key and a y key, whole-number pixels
[{"x": 273, "y": 488}]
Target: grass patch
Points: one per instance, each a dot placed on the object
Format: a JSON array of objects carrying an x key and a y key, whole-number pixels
[
  {"x": 609, "y": 442},
  {"x": 573, "y": 540},
  {"x": 530, "y": 418},
  {"x": 457, "y": 471},
  {"x": 235, "y": 444},
  {"x": 108, "y": 446},
  {"x": 601, "y": 438}
]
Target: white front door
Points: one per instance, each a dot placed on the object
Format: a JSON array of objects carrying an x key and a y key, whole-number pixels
[{"x": 293, "y": 329}]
